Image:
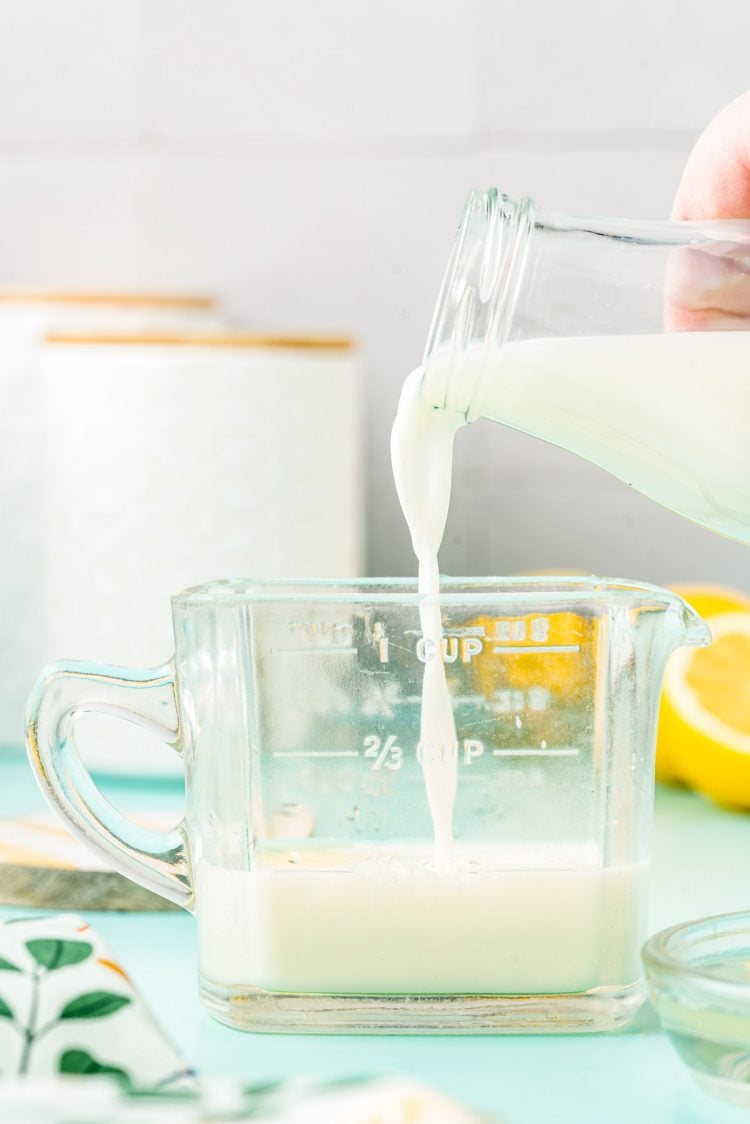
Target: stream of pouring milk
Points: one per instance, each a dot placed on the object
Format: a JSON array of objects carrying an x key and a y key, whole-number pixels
[
  {"x": 422, "y": 458},
  {"x": 665, "y": 412}
]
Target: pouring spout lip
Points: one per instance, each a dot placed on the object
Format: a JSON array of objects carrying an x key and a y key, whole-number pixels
[{"x": 696, "y": 632}]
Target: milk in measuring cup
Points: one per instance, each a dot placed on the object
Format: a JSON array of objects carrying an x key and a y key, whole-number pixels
[{"x": 403, "y": 926}]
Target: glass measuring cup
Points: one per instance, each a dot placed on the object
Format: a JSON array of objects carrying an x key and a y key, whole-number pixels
[
  {"x": 307, "y": 849},
  {"x": 624, "y": 342}
]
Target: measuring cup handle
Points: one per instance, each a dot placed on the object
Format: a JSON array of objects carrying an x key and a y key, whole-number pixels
[{"x": 157, "y": 860}]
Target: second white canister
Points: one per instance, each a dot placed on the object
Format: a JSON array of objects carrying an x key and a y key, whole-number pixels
[{"x": 171, "y": 460}]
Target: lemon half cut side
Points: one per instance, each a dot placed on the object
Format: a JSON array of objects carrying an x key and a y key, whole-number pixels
[{"x": 704, "y": 724}]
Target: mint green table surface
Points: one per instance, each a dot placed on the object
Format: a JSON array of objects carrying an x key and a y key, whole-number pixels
[{"x": 701, "y": 866}]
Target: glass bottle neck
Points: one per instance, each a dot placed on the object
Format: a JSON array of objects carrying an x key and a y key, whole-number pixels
[{"x": 477, "y": 299}]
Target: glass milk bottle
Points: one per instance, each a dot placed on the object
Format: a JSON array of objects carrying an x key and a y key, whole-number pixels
[{"x": 624, "y": 342}]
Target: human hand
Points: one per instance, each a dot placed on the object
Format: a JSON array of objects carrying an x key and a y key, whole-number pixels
[
  {"x": 708, "y": 288},
  {"x": 716, "y": 181}
]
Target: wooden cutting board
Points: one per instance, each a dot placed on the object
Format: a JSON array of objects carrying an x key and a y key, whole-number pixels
[{"x": 44, "y": 866}]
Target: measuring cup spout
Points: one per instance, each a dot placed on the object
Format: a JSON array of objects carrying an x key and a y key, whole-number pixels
[{"x": 692, "y": 630}]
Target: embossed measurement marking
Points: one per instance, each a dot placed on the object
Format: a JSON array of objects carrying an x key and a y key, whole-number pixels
[
  {"x": 524, "y": 751},
  {"x": 386, "y": 753},
  {"x": 316, "y": 651},
  {"x": 315, "y": 753},
  {"x": 515, "y": 649}
]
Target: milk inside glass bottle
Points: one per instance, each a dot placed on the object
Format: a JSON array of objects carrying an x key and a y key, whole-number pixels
[{"x": 623, "y": 342}]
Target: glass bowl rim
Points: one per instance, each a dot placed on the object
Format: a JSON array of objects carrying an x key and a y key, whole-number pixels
[{"x": 660, "y": 961}]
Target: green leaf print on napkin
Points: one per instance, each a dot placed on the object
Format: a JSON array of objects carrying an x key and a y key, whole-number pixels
[
  {"x": 82, "y": 1063},
  {"x": 93, "y": 1005},
  {"x": 51, "y": 955},
  {"x": 54, "y": 954},
  {"x": 67, "y": 1007}
]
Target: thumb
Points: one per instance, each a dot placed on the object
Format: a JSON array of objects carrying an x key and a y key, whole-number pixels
[{"x": 715, "y": 183}]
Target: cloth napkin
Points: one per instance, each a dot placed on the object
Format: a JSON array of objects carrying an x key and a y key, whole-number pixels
[
  {"x": 68, "y": 1007},
  {"x": 79, "y": 1046},
  {"x": 389, "y": 1100}
]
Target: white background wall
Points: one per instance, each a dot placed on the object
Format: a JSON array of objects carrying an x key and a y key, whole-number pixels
[{"x": 308, "y": 159}]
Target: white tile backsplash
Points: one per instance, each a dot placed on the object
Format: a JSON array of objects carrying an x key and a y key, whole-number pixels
[
  {"x": 610, "y": 65},
  {"x": 67, "y": 222},
  {"x": 71, "y": 223},
  {"x": 330, "y": 70},
  {"x": 308, "y": 162},
  {"x": 71, "y": 70}
]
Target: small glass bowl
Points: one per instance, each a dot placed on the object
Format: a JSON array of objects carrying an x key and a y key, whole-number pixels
[{"x": 698, "y": 976}]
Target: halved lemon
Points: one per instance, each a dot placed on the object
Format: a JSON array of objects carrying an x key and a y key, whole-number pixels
[
  {"x": 709, "y": 601},
  {"x": 704, "y": 722}
]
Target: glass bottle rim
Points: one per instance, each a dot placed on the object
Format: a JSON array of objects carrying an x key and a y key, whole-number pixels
[
  {"x": 480, "y": 285},
  {"x": 482, "y": 281}
]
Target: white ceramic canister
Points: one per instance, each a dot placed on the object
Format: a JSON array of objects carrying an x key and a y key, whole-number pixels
[
  {"x": 170, "y": 460},
  {"x": 26, "y": 316}
]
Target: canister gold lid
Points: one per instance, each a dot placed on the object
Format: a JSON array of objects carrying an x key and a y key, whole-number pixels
[
  {"x": 106, "y": 300},
  {"x": 236, "y": 339}
]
